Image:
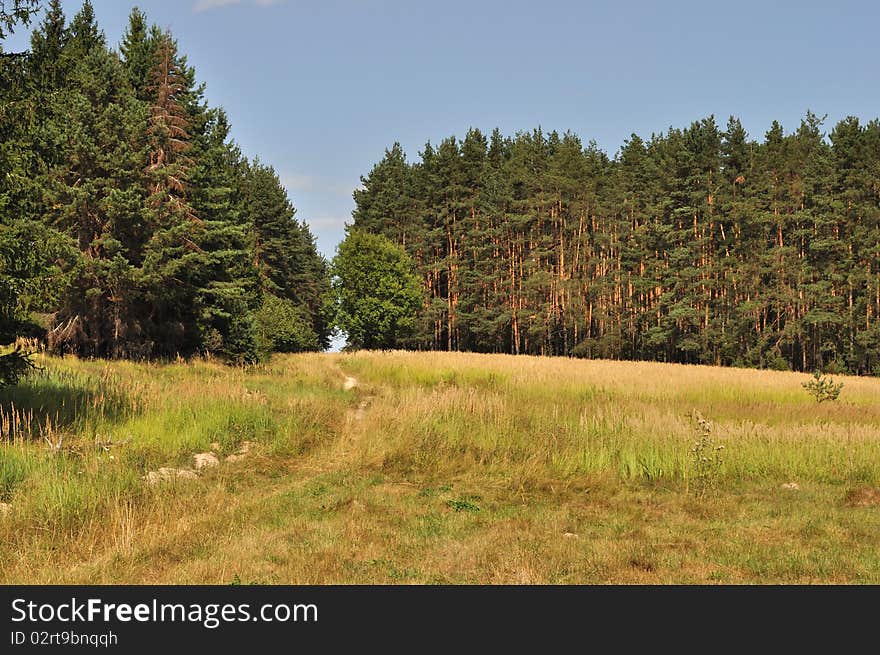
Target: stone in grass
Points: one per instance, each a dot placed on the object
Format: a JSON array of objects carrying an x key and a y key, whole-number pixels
[
  {"x": 242, "y": 453},
  {"x": 205, "y": 461},
  {"x": 792, "y": 486},
  {"x": 169, "y": 475},
  {"x": 5, "y": 508}
]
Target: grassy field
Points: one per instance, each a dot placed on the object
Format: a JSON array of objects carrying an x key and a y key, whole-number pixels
[{"x": 437, "y": 468}]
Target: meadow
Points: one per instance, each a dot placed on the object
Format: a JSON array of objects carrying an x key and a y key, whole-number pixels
[{"x": 432, "y": 468}]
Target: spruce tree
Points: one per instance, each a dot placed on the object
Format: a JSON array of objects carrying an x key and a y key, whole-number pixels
[
  {"x": 172, "y": 256},
  {"x": 139, "y": 52},
  {"x": 125, "y": 220},
  {"x": 227, "y": 284},
  {"x": 284, "y": 253},
  {"x": 93, "y": 190}
]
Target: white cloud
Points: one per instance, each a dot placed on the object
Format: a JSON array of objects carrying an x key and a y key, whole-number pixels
[
  {"x": 207, "y": 5},
  {"x": 315, "y": 184},
  {"x": 327, "y": 222},
  {"x": 298, "y": 182}
]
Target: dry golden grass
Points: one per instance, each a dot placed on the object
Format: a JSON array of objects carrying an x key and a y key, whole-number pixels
[{"x": 437, "y": 468}]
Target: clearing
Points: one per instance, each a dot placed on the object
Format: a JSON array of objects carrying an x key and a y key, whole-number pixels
[{"x": 436, "y": 468}]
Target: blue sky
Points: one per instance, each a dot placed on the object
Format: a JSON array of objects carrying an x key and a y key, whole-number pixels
[{"x": 319, "y": 88}]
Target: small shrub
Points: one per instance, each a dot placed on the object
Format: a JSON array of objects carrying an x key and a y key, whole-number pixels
[
  {"x": 283, "y": 326},
  {"x": 836, "y": 367},
  {"x": 466, "y": 504},
  {"x": 776, "y": 362},
  {"x": 238, "y": 582},
  {"x": 583, "y": 350},
  {"x": 14, "y": 366},
  {"x": 822, "y": 387}
]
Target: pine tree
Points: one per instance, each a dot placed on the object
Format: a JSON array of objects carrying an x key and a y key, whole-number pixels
[{"x": 697, "y": 245}]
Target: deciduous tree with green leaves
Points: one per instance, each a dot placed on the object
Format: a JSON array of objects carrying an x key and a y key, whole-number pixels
[{"x": 378, "y": 294}]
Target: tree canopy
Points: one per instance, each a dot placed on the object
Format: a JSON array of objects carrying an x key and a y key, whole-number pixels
[
  {"x": 131, "y": 224},
  {"x": 698, "y": 245}
]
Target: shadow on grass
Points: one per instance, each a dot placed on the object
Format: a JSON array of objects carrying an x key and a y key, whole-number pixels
[{"x": 49, "y": 402}]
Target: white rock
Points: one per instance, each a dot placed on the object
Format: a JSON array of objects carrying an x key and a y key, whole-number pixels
[
  {"x": 205, "y": 461},
  {"x": 793, "y": 486},
  {"x": 170, "y": 474},
  {"x": 242, "y": 453}
]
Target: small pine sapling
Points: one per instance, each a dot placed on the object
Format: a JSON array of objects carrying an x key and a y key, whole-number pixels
[{"x": 822, "y": 387}]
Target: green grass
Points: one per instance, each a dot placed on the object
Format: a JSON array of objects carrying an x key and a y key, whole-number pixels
[{"x": 436, "y": 468}]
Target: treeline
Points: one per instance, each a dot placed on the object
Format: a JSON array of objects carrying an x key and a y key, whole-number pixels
[
  {"x": 131, "y": 225},
  {"x": 699, "y": 245}
]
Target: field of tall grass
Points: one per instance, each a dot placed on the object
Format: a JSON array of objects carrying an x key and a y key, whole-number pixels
[{"x": 436, "y": 468}]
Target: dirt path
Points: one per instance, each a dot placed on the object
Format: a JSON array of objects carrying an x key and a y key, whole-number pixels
[{"x": 352, "y": 383}]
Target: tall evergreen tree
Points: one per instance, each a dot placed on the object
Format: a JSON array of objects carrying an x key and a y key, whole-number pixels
[
  {"x": 139, "y": 52},
  {"x": 228, "y": 290},
  {"x": 284, "y": 252}
]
